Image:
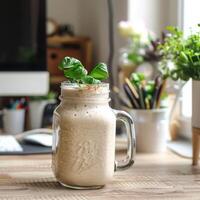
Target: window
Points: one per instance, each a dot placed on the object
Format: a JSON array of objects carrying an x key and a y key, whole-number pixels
[
  {"x": 157, "y": 14},
  {"x": 189, "y": 18}
]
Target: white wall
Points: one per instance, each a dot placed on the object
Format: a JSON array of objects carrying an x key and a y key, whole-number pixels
[
  {"x": 156, "y": 14},
  {"x": 89, "y": 18},
  {"x": 95, "y": 24},
  {"x": 64, "y": 11},
  {"x": 174, "y": 14}
]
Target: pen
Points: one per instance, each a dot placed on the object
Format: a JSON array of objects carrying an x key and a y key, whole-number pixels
[
  {"x": 158, "y": 82},
  {"x": 144, "y": 93},
  {"x": 132, "y": 88},
  {"x": 147, "y": 102},
  {"x": 141, "y": 96},
  {"x": 130, "y": 96},
  {"x": 162, "y": 87},
  {"x": 122, "y": 100}
]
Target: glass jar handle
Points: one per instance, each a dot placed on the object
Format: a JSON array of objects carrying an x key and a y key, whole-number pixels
[{"x": 128, "y": 121}]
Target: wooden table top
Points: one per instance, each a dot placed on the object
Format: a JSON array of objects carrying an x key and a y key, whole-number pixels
[{"x": 164, "y": 176}]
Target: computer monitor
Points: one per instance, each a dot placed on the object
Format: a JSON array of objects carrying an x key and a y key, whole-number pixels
[{"x": 23, "y": 68}]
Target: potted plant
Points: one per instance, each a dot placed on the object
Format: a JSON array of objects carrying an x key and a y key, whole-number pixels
[
  {"x": 149, "y": 111},
  {"x": 184, "y": 54},
  {"x": 141, "y": 53}
]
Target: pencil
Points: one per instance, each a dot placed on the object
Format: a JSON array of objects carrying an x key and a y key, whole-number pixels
[
  {"x": 141, "y": 96},
  {"x": 162, "y": 88},
  {"x": 131, "y": 97},
  {"x": 121, "y": 98},
  {"x": 158, "y": 83},
  {"x": 147, "y": 102},
  {"x": 132, "y": 88}
]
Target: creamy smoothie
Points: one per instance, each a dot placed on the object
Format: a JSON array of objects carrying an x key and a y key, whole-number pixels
[{"x": 84, "y": 136}]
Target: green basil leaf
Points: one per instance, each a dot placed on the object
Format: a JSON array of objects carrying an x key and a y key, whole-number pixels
[
  {"x": 69, "y": 62},
  {"x": 100, "y": 72},
  {"x": 75, "y": 72},
  {"x": 90, "y": 80}
]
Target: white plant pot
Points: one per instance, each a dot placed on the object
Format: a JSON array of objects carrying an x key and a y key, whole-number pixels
[
  {"x": 13, "y": 121},
  {"x": 36, "y": 110},
  {"x": 152, "y": 129},
  {"x": 196, "y": 104}
]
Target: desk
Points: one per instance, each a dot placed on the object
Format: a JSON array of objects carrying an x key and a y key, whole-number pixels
[{"x": 163, "y": 176}]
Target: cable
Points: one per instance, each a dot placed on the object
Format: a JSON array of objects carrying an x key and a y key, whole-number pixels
[
  {"x": 111, "y": 42},
  {"x": 111, "y": 50}
]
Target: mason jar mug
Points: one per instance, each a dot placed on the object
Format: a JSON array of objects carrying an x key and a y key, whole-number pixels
[{"x": 84, "y": 130}]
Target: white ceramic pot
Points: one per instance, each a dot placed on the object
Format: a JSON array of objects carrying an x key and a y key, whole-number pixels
[
  {"x": 13, "y": 121},
  {"x": 36, "y": 110},
  {"x": 152, "y": 128},
  {"x": 195, "y": 104}
]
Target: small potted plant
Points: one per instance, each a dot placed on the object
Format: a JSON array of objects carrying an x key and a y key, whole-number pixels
[{"x": 149, "y": 109}]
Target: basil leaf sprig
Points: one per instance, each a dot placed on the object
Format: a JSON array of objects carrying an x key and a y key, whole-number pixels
[{"x": 75, "y": 71}]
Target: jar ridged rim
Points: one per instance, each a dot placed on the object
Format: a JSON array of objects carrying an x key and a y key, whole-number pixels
[
  {"x": 83, "y": 91},
  {"x": 101, "y": 88},
  {"x": 83, "y": 86}
]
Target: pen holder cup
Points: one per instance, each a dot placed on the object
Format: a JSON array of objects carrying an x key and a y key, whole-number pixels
[
  {"x": 152, "y": 129},
  {"x": 13, "y": 121}
]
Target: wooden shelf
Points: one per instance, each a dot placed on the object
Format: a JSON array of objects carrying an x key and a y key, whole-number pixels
[
  {"x": 57, "y": 79},
  {"x": 61, "y": 46},
  {"x": 56, "y": 40}
]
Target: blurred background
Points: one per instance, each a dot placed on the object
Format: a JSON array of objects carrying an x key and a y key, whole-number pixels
[{"x": 35, "y": 36}]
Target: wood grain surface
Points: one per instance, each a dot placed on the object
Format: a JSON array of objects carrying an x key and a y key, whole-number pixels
[{"x": 161, "y": 176}]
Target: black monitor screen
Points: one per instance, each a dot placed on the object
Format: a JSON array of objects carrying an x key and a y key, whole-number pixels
[{"x": 22, "y": 35}]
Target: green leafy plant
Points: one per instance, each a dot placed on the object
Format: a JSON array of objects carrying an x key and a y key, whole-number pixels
[
  {"x": 142, "y": 44},
  {"x": 74, "y": 70},
  {"x": 144, "y": 52},
  {"x": 136, "y": 47},
  {"x": 183, "y": 54}
]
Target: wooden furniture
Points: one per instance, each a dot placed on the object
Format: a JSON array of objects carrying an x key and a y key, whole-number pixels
[
  {"x": 61, "y": 46},
  {"x": 158, "y": 176},
  {"x": 195, "y": 120},
  {"x": 195, "y": 145}
]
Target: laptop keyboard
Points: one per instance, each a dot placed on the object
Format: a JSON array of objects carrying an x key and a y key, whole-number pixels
[{"x": 8, "y": 143}]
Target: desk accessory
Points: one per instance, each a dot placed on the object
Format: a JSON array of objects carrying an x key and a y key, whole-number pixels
[
  {"x": 13, "y": 116},
  {"x": 144, "y": 94},
  {"x": 18, "y": 145},
  {"x": 151, "y": 119}
]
